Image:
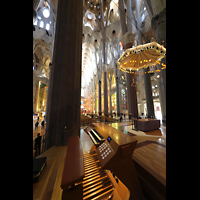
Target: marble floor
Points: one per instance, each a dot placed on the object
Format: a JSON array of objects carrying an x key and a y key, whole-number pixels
[{"x": 159, "y": 134}]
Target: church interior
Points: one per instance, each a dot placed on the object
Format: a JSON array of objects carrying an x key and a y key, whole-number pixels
[{"x": 99, "y": 99}]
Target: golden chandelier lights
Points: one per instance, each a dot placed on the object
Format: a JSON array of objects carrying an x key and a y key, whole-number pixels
[{"x": 142, "y": 56}]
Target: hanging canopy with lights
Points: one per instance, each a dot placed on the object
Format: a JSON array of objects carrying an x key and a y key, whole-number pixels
[{"x": 134, "y": 59}]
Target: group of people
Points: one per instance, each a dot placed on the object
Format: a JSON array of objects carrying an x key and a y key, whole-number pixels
[
  {"x": 37, "y": 123},
  {"x": 120, "y": 119}
]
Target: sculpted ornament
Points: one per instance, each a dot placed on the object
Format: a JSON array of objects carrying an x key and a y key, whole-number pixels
[
  {"x": 128, "y": 37},
  {"x": 105, "y": 68},
  {"x": 133, "y": 81}
]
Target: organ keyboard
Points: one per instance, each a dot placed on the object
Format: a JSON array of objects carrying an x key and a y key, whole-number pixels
[
  {"x": 96, "y": 137},
  {"x": 114, "y": 151}
]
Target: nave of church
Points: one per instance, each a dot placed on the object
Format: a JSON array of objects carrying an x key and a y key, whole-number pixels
[{"x": 99, "y": 99}]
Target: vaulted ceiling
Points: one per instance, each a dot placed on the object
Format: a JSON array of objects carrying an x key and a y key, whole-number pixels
[{"x": 91, "y": 33}]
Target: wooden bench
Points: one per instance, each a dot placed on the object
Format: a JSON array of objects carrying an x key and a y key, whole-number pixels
[
  {"x": 73, "y": 171},
  {"x": 108, "y": 119},
  {"x": 86, "y": 120}
]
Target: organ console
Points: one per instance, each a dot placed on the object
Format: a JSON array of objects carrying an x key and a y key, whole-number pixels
[
  {"x": 106, "y": 172},
  {"x": 114, "y": 151}
]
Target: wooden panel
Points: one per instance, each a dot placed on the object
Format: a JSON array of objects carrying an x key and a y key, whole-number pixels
[
  {"x": 153, "y": 158},
  {"x": 125, "y": 151},
  {"x": 48, "y": 186},
  {"x": 74, "y": 168},
  {"x": 122, "y": 191}
]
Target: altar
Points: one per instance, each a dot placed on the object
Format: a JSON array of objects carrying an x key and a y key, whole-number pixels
[{"x": 146, "y": 124}]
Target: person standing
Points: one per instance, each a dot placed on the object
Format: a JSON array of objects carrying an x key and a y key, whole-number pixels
[
  {"x": 36, "y": 125},
  {"x": 42, "y": 124}
]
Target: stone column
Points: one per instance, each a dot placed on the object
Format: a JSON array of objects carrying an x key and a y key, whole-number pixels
[
  {"x": 92, "y": 89},
  {"x": 100, "y": 112},
  {"x": 131, "y": 24},
  {"x": 161, "y": 94},
  {"x": 130, "y": 18},
  {"x": 118, "y": 97},
  {"x": 122, "y": 16},
  {"x": 115, "y": 67},
  {"x": 105, "y": 90},
  {"x": 128, "y": 40},
  {"x": 95, "y": 90},
  {"x": 63, "y": 118},
  {"x": 163, "y": 76},
  {"x": 110, "y": 80},
  {"x": 117, "y": 80},
  {"x": 138, "y": 4},
  {"x": 99, "y": 82},
  {"x": 90, "y": 101},
  {"x": 148, "y": 92},
  {"x": 95, "y": 102},
  {"x": 99, "y": 73},
  {"x": 158, "y": 24},
  {"x": 36, "y": 4},
  {"x": 35, "y": 92},
  {"x": 49, "y": 86},
  {"x": 157, "y": 8}
]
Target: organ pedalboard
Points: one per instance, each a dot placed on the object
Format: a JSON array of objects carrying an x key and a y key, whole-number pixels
[{"x": 110, "y": 162}]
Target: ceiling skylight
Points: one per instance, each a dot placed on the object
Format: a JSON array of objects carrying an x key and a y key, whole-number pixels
[
  {"x": 46, "y": 13},
  {"x": 89, "y": 15}
]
